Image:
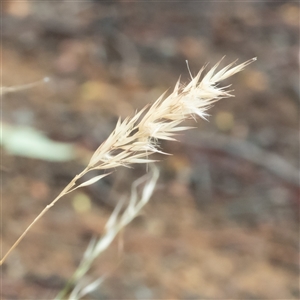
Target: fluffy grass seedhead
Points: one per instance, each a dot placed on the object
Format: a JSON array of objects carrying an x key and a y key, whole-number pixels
[{"x": 135, "y": 139}]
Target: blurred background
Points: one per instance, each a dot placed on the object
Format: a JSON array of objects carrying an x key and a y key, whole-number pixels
[{"x": 223, "y": 222}]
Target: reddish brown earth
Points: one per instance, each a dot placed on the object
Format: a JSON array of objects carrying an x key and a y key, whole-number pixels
[{"x": 218, "y": 226}]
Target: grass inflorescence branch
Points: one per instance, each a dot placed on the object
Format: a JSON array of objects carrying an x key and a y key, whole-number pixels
[{"x": 134, "y": 139}]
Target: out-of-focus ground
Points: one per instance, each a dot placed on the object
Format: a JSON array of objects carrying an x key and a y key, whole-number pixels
[{"x": 223, "y": 223}]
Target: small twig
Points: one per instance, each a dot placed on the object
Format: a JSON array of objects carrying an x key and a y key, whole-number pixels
[{"x": 248, "y": 151}]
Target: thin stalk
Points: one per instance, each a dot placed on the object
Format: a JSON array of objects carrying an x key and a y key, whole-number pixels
[{"x": 65, "y": 191}]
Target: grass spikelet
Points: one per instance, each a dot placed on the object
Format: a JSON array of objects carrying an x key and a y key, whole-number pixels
[{"x": 134, "y": 139}]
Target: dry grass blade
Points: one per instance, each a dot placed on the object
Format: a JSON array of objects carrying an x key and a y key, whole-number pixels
[{"x": 5, "y": 90}]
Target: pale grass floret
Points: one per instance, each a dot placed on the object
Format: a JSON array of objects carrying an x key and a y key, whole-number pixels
[
  {"x": 79, "y": 286},
  {"x": 134, "y": 139}
]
